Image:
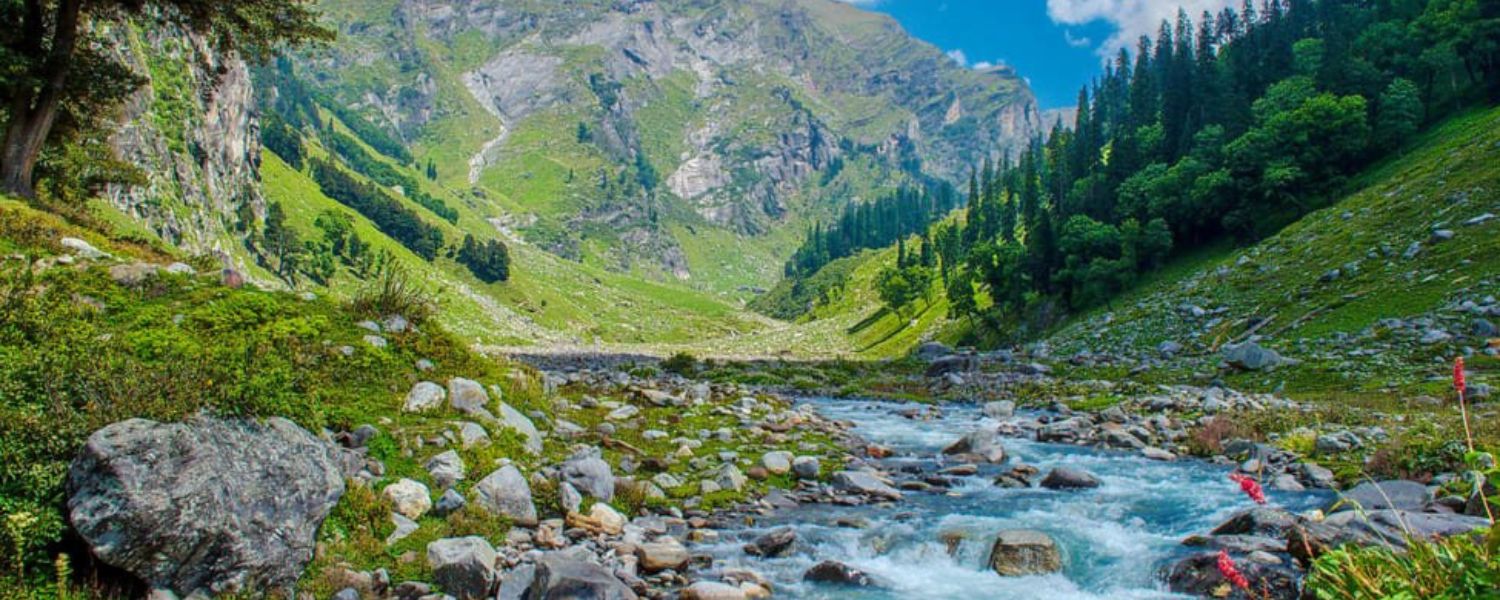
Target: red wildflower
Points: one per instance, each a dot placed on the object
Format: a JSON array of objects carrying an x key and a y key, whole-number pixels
[
  {"x": 1250, "y": 487},
  {"x": 1231, "y": 573},
  {"x": 1458, "y": 376}
]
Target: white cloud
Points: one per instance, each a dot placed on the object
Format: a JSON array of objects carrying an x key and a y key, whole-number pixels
[
  {"x": 959, "y": 57},
  {"x": 1131, "y": 18},
  {"x": 1077, "y": 42},
  {"x": 982, "y": 65},
  {"x": 865, "y": 3}
]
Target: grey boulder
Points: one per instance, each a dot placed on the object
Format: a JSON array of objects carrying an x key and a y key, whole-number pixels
[
  {"x": 209, "y": 505},
  {"x": 464, "y": 567},
  {"x": 1024, "y": 552},
  {"x": 506, "y": 493}
]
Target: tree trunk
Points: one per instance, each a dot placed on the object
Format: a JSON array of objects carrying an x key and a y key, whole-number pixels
[{"x": 32, "y": 114}]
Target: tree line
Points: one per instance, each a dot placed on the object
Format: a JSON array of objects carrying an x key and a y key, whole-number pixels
[
  {"x": 875, "y": 224},
  {"x": 1231, "y": 126}
]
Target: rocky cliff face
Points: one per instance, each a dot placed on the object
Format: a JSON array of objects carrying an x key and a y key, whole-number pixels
[{"x": 193, "y": 131}]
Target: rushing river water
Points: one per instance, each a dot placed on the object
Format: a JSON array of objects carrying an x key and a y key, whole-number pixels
[{"x": 1115, "y": 539}]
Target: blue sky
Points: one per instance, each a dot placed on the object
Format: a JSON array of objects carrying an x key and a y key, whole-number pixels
[{"x": 1057, "y": 45}]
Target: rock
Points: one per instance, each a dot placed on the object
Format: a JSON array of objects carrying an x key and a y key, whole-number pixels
[
  {"x": 837, "y": 573},
  {"x": 396, "y": 324},
  {"x": 1483, "y": 328},
  {"x": 446, "y": 469},
  {"x": 1260, "y": 521},
  {"x": 515, "y": 584},
  {"x": 1168, "y": 349},
  {"x": 776, "y": 543},
  {"x": 506, "y": 493},
  {"x": 1388, "y": 528},
  {"x": 569, "y": 498},
  {"x": 347, "y": 594},
  {"x": 1157, "y": 454},
  {"x": 153, "y": 499},
  {"x": 777, "y": 463},
  {"x": 1286, "y": 482},
  {"x": 931, "y": 351},
  {"x": 1063, "y": 478},
  {"x": 623, "y": 413},
  {"x": 424, "y": 396},
  {"x": 1024, "y": 552},
  {"x": 472, "y": 434},
  {"x": 863, "y": 483},
  {"x": 807, "y": 467},
  {"x": 178, "y": 268},
  {"x": 562, "y": 576},
  {"x": 1199, "y": 576},
  {"x": 601, "y": 519},
  {"x": 1368, "y": 496},
  {"x": 82, "y": 249},
  {"x": 1434, "y": 336},
  {"x": 1442, "y": 235},
  {"x": 464, "y": 567},
  {"x": 1250, "y": 356},
  {"x": 728, "y": 477},
  {"x": 1337, "y": 442},
  {"x": 133, "y": 274},
  {"x": 950, "y": 364},
  {"x": 1003, "y": 409},
  {"x": 662, "y": 556},
  {"x": 712, "y": 590},
  {"x": 408, "y": 497},
  {"x": 1313, "y": 475},
  {"x": 450, "y": 502},
  {"x": 468, "y": 397},
  {"x": 404, "y": 528},
  {"x": 589, "y": 474},
  {"x": 982, "y": 443},
  {"x": 513, "y": 419}
]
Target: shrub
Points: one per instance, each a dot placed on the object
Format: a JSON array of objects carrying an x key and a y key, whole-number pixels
[
  {"x": 1457, "y": 567},
  {"x": 680, "y": 363},
  {"x": 393, "y": 294}
]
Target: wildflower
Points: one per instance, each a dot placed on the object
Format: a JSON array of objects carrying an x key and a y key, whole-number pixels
[
  {"x": 1250, "y": 487},
  {"x": 1231, "y": 573},
  {"x": 1458, "y": 376}
]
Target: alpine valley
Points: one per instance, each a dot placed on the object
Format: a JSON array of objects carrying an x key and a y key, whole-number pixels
[{"x": 740, "y": 299}]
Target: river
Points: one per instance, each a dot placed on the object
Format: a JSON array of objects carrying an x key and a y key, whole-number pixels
[{"x": 1115, "y": 539}]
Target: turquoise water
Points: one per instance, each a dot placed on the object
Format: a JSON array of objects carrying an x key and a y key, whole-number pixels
[{"x": 1115, "y": 539}]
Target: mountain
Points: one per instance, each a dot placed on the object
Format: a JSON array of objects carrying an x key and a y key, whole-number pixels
[{"x": 746, "y": 118}]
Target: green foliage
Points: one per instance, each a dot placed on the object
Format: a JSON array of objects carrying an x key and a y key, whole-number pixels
[
  {"x": 489, "y": 261},
  {"x": 385, "y": 174},
  {"x": 1463, "y": 566},
  {"x": 373, "y": 135},
  {"x": 395, "y": 220},
  {"x": 394, "y": 293},
  {"x": 680, "y": 363},
  {"x": 899, "y": 287}
]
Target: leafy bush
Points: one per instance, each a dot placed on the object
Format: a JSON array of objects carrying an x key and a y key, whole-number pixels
[
  {"x": 680, "y": 363},
  {"x": 1457, "y": 567},
  {"x": 393, "y": 294},
  {"x": 489, "y": 261}
]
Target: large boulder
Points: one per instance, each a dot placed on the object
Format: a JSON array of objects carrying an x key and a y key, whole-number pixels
[
  {"x": 837, "y": 573},
  {"x": 568, "y": 576},
  {"x": 209, "y": 505},
  {"x": 513, "y": 419},
  {"x": 468, "y": 397},
  {"x": 951, "y": 364},
  {"x": 1063, "y": 478},
  {"x": 777, "y": 542},
  {"x": 1397, "y": 494},
  {"x": 1260, "y": 521},
  {"x": 409, "y": 498},
  {"x": 982, "y": 444},
  {"x": 424, "y": 396},
  {"x": 464, "y": 567},
  {"x": 1024, "y": 552},
  {"x": 1251, "y": 356},
  {"x": 1390, "y": 528},
  {"x": 662, "y": 555},
  {"x": 589, "y": 474},
  {"x": 860, "y": 482},
  {"x": 930, "y": 351},
  {"x": 506, "y": 493},
  {"x": 1198, "y": 575}
]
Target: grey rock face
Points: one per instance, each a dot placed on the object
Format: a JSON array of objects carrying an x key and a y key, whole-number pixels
[
  {"x": 513, "y": 419},
  {"x": 864, "y": 483},
  {"x": 562, "y": 575},
  {"x": 424, "y": 396},
  {"x": 1403, "y": 495},
  {"x": 590, "y": 474},
  {"x": 981, "y": 443},
  {"x": 446, "y": 469},
  {"x": 832, "y": 571},
  {"x": 1250, "y": 356},
  {"x": 464, "y": 567},
  {"x": 468, "y": 397},
  {"x": 209, "y": 504},
  {"x": 1063, "y": 478},
  {"x": 806, "y": 467},
  {"x": 1024, "y": 552},
  {"x": 777, "y": 542},
  {"x": 506, "y": 493}
]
